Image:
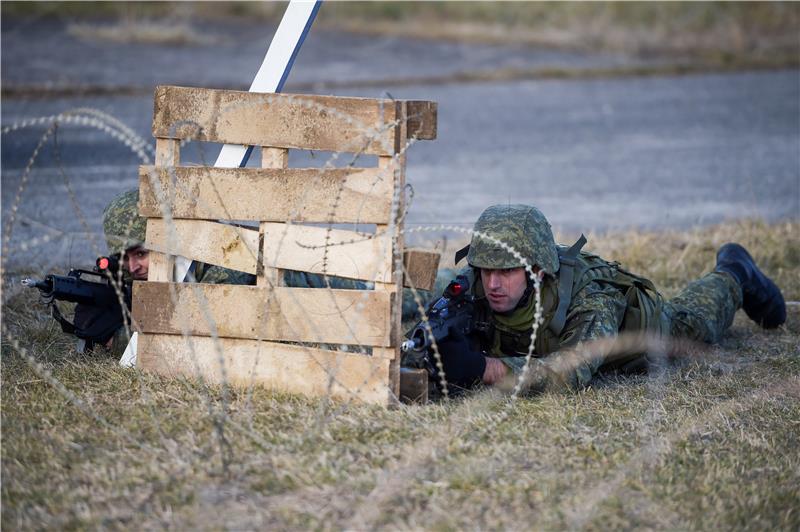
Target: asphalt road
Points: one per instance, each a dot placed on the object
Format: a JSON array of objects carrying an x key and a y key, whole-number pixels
[{"x": 660, "y": 152}]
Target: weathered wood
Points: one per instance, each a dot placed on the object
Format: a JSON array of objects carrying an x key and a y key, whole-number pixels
[
  {"x": 272, "y": 158},
  {"x": 205, "y": 241},
  {"x": 422, "y": 119},
  {"x": 395, "y": 166},
  {"x": 327, "y": 251},
  {"x": 328, "y": 123},
  {"x": 238, "y": 325},
  {"x": 413, "y": 385},
  {"x": 336, "y": 195},
  {"x": 420, "y": 268},
  {"x": 353, "y": 317},
  {"x": 161, "y": 266},
  {"x": 168, "y": 152},
  {"x": 283, "y": 367},
  {"x": 288, "y": 248}
]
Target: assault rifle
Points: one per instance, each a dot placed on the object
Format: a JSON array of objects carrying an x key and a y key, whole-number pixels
[
  {"x": 450, "y": 314},
  {"x": 98, "y": 294}
]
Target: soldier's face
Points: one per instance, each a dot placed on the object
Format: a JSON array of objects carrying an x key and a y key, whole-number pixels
[
  {"x": 137, "y": 260},
  {"x": 504, "y": 288}
]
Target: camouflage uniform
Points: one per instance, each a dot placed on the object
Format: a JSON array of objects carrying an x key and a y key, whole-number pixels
[{"x": 599, "y": 301}]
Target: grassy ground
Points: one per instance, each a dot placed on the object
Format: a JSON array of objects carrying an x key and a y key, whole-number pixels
[{"x": 709, "y": 443}]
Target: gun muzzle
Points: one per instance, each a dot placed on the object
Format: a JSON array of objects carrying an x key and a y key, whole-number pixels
[
  {"x": 412, "y": 344},
  {"x": 44, "y": 286}
]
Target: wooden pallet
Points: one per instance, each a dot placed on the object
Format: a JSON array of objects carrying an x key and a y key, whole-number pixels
[{"x": 270, "y": 334}]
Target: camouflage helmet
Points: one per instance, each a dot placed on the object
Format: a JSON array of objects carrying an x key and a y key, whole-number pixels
[
  {"x": 521, "y": 227},
  {"x": 122, "y": 225}
]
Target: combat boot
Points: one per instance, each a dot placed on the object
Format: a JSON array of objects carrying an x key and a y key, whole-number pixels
[{"x": 762, "y": 300}]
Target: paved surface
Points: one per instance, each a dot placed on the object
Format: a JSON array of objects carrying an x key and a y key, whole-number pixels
[
  {"x": 637, "y": 152},
  {"x": 45, "y": 53}
]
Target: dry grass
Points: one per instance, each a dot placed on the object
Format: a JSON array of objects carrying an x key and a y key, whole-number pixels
[
  {"x": 715, "y": 33},
  {"x": 143, "y": 32},
  {"x": 709, "y": 443},
  {"x": 712, "y": 29}
]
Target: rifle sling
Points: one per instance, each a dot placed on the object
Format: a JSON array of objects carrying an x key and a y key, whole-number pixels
[{"x": 66, "y": 326}]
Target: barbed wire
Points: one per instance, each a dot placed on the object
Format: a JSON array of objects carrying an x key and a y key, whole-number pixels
[
  {"x": 82, "y": 121},
  {"x": 195, "y": 131},
  {"x": 220, "y": 417}
]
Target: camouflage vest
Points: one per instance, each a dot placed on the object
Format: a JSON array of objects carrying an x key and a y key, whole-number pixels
[{"x": 576, "y": 270}]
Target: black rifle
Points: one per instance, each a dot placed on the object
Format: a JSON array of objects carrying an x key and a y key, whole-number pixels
[
  {"x": 450, "y": 314},
  {"x": 98, "y": 293}
]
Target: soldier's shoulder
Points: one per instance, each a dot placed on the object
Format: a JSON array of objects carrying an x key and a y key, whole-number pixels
[{"x": 220, "y": 275}]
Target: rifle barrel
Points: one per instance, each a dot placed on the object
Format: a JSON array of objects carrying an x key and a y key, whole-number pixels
[{"x": 44, "y": 286}]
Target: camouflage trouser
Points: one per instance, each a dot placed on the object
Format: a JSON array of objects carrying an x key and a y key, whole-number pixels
[
  {"x": 704, "y": 310},
  {"x": 701, "y": 312}
]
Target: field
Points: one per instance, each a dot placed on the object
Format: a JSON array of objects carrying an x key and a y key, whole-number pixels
[
  {"x": 710, "y": 442},
  {"x": 711, "y": 33}
]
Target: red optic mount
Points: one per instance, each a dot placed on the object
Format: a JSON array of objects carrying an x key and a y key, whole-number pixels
[
  {"x": 108, "y": 265},
  {"x": 455, "y": 289}
]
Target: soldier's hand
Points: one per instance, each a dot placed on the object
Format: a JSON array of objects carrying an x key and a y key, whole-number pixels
[
  {"x": 495, "y": 371},
  {"x": 463, "y": 366},
  {"x": 539, "y": 378}
]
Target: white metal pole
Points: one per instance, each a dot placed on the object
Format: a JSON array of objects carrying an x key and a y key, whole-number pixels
[{"x": 292, "y": 31}]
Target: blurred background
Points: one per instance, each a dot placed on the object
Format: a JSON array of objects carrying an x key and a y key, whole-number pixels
[{"x": 607, "y": 116}]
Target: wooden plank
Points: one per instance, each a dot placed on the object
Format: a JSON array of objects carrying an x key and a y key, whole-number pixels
[
  {"x": 328, "y": 123},
  {"x": 272, "y": 158},
  {"x": 327, "y": 251},
  {"x": 168, "y": 154},
  {"x": 283, "y": 367},
  {"x": 421, "y": 267},
  {"x": 336, "y": 195},
  {"x": 353, "y": 317},
  {"x": 413, "y": 385},
  {"x": 205, "y": 241},
  {"x": 287, "y": 248},
  {"x": 160, "y": 267},
  {"x": 395, "y": 165},
  {"x": 422, "y": 119}
]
